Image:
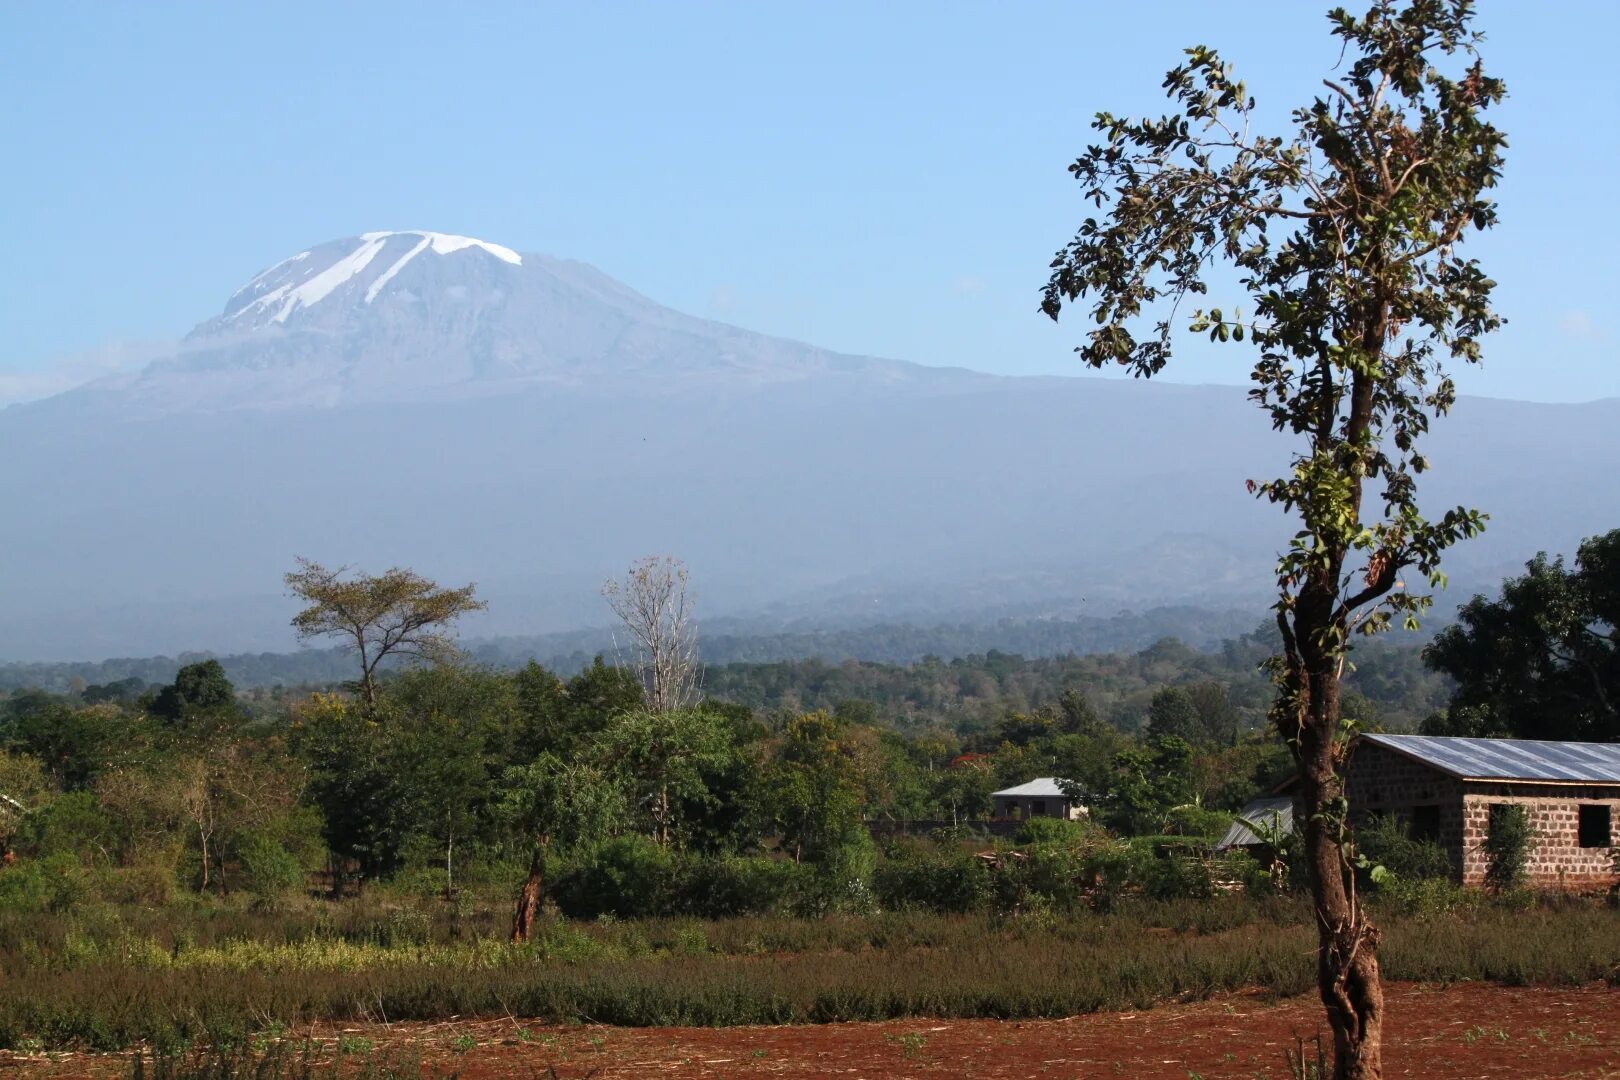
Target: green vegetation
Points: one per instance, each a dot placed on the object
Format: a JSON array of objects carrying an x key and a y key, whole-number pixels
[
  {"x": 219, "y": 975},
  {"x": 1340, "y": 233},
  {"x": 1543, "y": 660},
  {"x": 1507, "y": 847},
  {"x": 187, "y": 862}
]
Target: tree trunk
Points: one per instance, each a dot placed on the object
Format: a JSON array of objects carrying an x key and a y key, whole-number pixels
[
  {"x": 449, "y": 852},
  {"x": 1347, "y": 974},
  {"x": 527, "y": 912}
]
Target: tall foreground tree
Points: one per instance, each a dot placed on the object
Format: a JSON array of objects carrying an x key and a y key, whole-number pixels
[
  {"x": 1342, "y": 237},
  {"x": 398, "y": 613}
]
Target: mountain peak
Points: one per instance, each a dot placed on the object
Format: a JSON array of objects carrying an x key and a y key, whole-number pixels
[{"x": 372, "y": 259}]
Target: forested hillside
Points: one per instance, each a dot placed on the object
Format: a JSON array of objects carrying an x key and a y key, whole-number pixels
[
  {"x": 724, "y": 641},
  {"x": 959, "y": 677}
]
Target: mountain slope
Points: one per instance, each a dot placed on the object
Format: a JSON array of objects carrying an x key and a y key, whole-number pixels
[
  {"x": 531, "y": 424},
  {"x": 393, "y": 316}
]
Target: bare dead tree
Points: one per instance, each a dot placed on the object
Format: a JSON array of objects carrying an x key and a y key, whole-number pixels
[{"x": 655, "y": 605}]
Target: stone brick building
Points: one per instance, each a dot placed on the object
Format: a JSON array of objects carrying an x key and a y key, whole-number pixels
[{"x": 1444, "y": 788}]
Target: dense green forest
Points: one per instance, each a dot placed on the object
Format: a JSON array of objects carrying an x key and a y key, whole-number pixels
[
  {"x": 724, "y": 641},
  {"x": 457, "y": 768}
]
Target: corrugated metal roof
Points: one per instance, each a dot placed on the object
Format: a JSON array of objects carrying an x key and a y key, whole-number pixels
[
  {"x": 1045, "y": 787},
  {"x": 1510, "y": 759},
  {"x": 1264, "y": 813}
]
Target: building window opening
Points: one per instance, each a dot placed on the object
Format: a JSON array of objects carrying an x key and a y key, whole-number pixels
[
  {"x": 1037, "y": 808},
  {"x": 1594, "y": 826},
  {"x": 1426, "y": 824}
]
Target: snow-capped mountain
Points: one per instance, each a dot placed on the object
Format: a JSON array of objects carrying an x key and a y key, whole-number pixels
[
  {"x": 345, "y": 271},
  {"x": 451, "y": 404},
  {"x": 392, "y": 316}
]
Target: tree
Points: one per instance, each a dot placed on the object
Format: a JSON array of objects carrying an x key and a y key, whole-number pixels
[
  {"x": 553, "y": 801},
  {"x": 1148, "y": 781},
  {"x": 75, "y": 746},
  {"x": 399, "y": 613},
  {"x": 1217, "y": 716},
  {"x": 201, "y": 697},
  {"x": 447, "y": 727},
  {"x": 1172, "y": 712},
  {"x": 1543, "y": 660},
  {"x": 367, "y": 807},
  {"x": 654, "y": 604},
  {"x": 668, "y": 760},
  {"x": 1343, "y": 236},
  {"x": 813, "y": 789}
]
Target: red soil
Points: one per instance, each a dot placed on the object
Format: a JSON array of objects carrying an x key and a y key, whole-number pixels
[{"x": 1465, "y": 1030}]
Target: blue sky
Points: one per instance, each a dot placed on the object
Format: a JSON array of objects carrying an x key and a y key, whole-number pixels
[{"x": 878, "y": 178}]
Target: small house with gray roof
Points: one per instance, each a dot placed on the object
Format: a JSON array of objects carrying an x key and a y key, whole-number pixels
[
  {"x": 1042, "y": 797},
  {"x": 1444, "y": 790}
]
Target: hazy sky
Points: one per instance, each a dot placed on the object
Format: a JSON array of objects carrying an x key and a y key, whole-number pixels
[{"x": 878, "y": 178}]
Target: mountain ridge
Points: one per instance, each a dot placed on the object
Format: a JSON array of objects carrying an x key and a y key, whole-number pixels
[{"x": 536, "y": 426}]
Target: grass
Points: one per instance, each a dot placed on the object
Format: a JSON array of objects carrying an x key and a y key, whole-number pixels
[
  {"x": 280, "y": 1061},
  {"x": 113, "y": 979}
]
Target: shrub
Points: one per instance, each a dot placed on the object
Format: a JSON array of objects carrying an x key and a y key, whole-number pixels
[
  {"x": 56, "y": 883},
  {"x": 1428, "y": 896},
  {"x": 149, "y": 883},
  {"x": 1177, "y": 876},
  {"x": 1507, "y": 847},
  {"x": 717, "y": 888},
  {"x": 268, "y": 869},
  {"x": 1048, "y": 830},
  {"x": 944, "y": 882},
  {"x": 1198, "y": 822},
  {"x": 74, "y": 824},
  {"x": 628, "y": 877},
  {"x": 1386, "y": 842}
]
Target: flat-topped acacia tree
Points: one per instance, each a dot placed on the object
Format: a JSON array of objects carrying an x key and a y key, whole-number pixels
[
  {"x": 1342, "y": 237},
  {"x": 397, "y": 613}
]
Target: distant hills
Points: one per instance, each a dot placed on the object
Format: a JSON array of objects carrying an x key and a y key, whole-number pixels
[
  {"x": 529, "y": 423},
  {"x": 724, "y": 641}
]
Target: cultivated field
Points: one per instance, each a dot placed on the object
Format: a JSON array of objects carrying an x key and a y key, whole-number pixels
[
  {"x": 1461, "y": 1030},
  {"x": 1215, "y": 988}
]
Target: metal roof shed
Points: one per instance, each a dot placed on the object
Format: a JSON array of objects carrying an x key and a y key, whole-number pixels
[
  {"x": 1041, "y": 797},
  {"x": 1266, "y": 815}
]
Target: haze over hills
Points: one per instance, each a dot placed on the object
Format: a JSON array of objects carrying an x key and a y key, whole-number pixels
[{"x": 529, "y": 423}]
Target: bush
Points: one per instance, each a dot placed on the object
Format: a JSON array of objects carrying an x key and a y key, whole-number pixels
[
  {"x": 1426, "y": 896},
  {"x": 1387, "y": 843},
  {"x": 1507, "y": 847},
  {"x": 629, "y": 877},
  {"x": 1177, "y": 876},
  {"x": 717, "y": 888},
  {"x": 632, "y": 877},
  {"x": 74, "y": 824},
  {"x": 149, "y": 883},
  {"x": 1048, "y": 830},
  {"x": 945, "y": 882},
  {"x": 268, "y": 869},
  {"x": 56, "y": 883},
  {"x": 1195, "y": 821}
]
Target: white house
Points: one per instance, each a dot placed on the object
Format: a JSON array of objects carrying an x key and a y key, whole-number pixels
[{"x": 1042, "y": 797}]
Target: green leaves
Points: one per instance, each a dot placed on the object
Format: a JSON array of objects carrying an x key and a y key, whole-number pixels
[{"x": 1344, "y": 233}]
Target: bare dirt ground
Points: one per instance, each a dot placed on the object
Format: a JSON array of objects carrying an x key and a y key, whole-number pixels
[{"x": 1465, "y": 1030}]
